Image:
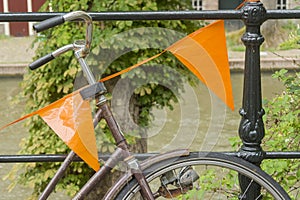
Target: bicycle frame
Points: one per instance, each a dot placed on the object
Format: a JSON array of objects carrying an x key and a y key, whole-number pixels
[
  {"x": 81, "y": 50},
  {"x": 121, "y": 153}
]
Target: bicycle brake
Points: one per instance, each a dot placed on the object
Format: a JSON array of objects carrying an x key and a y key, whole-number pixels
[
  {"x": 183, "y": 182},
  {"x": 187, "y": 176},
  {"x": 168, "y": 178}
]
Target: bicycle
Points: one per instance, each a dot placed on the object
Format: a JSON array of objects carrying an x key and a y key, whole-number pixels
[{"x": 179, "y": 173}]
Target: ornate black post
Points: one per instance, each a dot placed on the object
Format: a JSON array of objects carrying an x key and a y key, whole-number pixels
[{"x": 251, "y": 129}]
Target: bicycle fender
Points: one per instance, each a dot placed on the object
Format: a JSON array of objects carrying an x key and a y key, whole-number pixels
[{"x": 144, "y": 165}]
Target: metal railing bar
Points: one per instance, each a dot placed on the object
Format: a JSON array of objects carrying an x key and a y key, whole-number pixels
[
  {"x": 283, "y": 155},
  {"x": 61, "y": 158},
  {"x": 168, "y": 15},
  {"x": 56, "y": 158},
  {"x": 150, "y": 15},
  {"x": 283, "y": 14},
  {"x": 122, "y": 16}
]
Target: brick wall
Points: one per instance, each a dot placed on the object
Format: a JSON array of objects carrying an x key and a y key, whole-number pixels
[{"x": 18, "y": 28}]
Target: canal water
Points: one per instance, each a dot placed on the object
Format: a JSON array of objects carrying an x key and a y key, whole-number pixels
[
  {"x": 11, "y": 137},
  {"x": 200, "y": 121}
]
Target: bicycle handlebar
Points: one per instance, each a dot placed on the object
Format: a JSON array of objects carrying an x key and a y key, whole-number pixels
[
  {"x": 52, "y": 22},
  {"x": 41, "y": 61},
  {"x": 49, "y": 23},
  {"x": 47, "y": 58},
  {"x": 55, "y": 21}
]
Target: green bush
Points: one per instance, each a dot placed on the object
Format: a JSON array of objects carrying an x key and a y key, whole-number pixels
[
  {"x": 282, "y": 121},
  {"x": 293, "y": 41},
  {"x": 282, "y": 132}
]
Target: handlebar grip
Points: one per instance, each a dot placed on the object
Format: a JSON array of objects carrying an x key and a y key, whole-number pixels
[
  {"x": 41, "y": 61},
  {"x": 49, "y": 23}
]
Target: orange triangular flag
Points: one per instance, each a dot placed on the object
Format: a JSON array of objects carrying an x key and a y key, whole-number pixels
[
  {"x": 71, "y": 119},
  {"x": 204, "y": 52}
]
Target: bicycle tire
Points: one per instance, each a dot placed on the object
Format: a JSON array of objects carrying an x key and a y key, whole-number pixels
[{"x": 130, "y": 189}]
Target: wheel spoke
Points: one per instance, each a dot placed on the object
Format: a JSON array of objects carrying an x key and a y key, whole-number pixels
[{"x": 246, "y": 190}]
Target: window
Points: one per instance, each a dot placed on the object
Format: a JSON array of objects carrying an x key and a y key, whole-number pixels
[
  {"x": 281, "y": 4},
  {"x": 197, "y": 4},
  {"x": 229, "y": 4}
]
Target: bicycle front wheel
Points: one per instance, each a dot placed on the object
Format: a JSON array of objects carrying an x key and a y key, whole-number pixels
[{"x": 205, "y": 176}]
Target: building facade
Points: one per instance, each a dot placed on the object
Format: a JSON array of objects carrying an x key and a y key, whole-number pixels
[
  {"x": 18, "y": 28},
  {"x": 231, "y": 4},
  {"x": 232, "y": 25}
]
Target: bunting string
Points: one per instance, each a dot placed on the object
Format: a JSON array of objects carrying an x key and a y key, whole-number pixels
[{"x": 203, "y": 52}]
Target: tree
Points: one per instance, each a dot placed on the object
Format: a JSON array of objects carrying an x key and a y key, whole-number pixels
[{"x": 56, "y": 79}]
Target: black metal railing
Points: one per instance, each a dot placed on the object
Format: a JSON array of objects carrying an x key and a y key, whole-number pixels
[
  {"x": 152, "y": 15},
  {"x": 62, "y": 157}
]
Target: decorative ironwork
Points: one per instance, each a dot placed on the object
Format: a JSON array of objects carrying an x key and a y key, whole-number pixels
[{"x": 251, "y": 128}]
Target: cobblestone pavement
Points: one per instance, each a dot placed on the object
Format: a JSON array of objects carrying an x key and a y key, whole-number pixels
[{"x": 17, "y": 52}]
